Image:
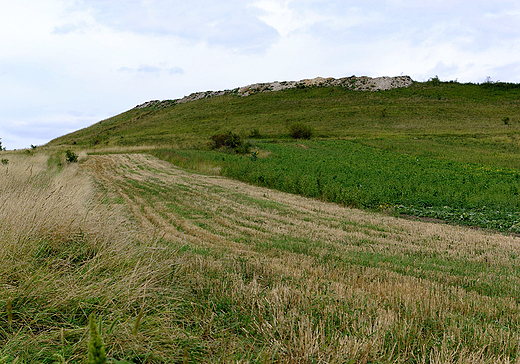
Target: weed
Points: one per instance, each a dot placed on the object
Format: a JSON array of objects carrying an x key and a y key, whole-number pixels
[
  {"x": 5, "y": 161},
  {"x": 506, "y": 120},
  {"x": 96, "y": 348}
]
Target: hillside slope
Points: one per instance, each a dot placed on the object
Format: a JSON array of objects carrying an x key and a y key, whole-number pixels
[{"x": 445, "y": 113}]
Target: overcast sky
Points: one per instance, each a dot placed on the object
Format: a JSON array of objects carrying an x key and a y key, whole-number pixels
[{"x": 67, "y": 64}]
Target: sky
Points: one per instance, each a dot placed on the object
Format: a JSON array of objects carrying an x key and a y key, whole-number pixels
[{"x": 67, "y": 64}]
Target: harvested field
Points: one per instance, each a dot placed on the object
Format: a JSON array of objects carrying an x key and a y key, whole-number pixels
[{"x": 293, "y": 279}]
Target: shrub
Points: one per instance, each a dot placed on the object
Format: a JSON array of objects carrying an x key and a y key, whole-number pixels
[
  {"x": 300, "y": 131},
  {"x": 226, "y": 140},
  {"x": 231, "y": 141},
  {"x": 70, "y": 156},
  {"x": 434, "y": 81},
  {"x": 506, "y": 120},
  {"x": 255, "y": 134},
  {"x": 5, "y": 161}
]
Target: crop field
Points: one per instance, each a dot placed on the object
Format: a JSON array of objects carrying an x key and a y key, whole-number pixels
[
  {"x": 357, "y": 175},
  {"x": 186, "y": 267}
]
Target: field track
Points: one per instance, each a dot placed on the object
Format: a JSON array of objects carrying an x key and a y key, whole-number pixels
[{"x": 331, "y": 282}]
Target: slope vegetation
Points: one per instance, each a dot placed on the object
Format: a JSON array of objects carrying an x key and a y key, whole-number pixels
[{"x": 447, "y": 117}]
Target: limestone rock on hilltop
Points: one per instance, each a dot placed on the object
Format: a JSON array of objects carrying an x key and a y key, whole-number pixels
[{"x": 362, "y": 83}]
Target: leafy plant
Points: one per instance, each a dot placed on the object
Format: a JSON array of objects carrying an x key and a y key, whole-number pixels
[
  {"x": 300, "y": 131},
  {"x": 70, "y": 156},
  {"x": 5, "y": 161},
  {"x": 96, "y": 348},
  {"x": 506, "y": 120}
]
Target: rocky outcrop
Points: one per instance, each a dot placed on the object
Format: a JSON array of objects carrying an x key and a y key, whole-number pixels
[{"x": 353, "y": 83}]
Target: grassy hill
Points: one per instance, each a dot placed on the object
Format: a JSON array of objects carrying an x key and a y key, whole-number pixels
[
  {"x": 448, "y": 120},
  {"x": 440, "y": 150}
]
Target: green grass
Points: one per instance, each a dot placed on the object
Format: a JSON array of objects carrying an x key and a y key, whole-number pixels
[{"x": 445, "y": 116}]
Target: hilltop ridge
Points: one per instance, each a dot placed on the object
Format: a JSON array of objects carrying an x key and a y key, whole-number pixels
[
  {"x": 398, "y": 118},
  {"x": 355, "y": 83}
]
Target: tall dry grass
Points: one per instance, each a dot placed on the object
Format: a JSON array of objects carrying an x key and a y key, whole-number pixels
[{"x": 65, "y": 255}]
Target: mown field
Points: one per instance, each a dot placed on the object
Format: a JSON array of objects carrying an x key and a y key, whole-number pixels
[{"x": 185, "y": 267}]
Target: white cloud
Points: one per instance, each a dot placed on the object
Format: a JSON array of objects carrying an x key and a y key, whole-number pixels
[
  {"x": 101, "y": 57},
  {"x": 231, "y": 24}
]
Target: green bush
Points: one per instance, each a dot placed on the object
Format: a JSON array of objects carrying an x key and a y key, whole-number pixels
[
  {"x": 230, "y": 141},
  {"x": 70, "y": 156},
  {"x": 226, "y": 140},
  {"x": 434, "y": 81},
  {"x": 5, "y": 161},
  {"x": 300, "y": 131}
]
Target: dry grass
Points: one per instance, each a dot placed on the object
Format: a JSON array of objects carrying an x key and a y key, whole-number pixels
[
  {"x": 64, "y": 255},
  {"x": 227, "y": 272}
]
